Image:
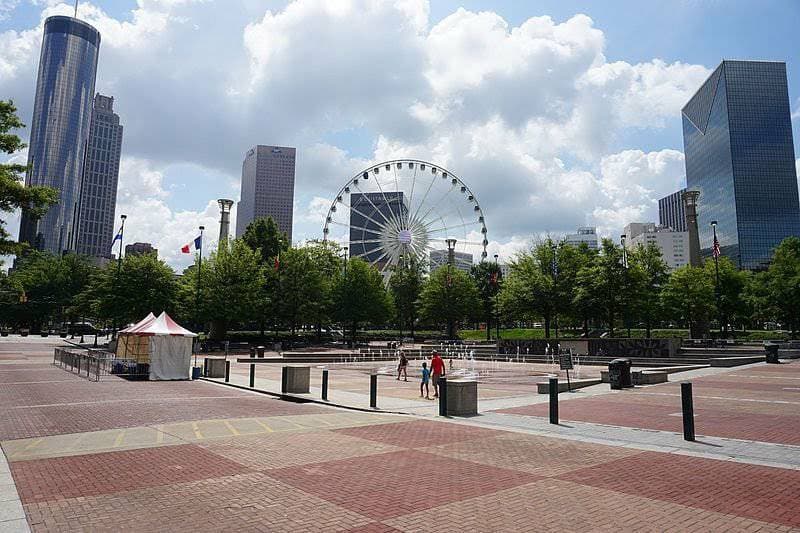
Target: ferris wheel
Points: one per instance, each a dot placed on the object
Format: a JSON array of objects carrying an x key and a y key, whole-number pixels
[{"x": 407, "y": 209}]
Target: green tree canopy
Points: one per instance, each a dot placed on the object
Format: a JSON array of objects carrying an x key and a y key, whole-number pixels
[
  {"x": 449, "y": 297},
  {"x": 488, "y": 279},
  {"x": 605, "y": 282},
  {"x": 732, "y": 285},
  {"x": 783, "y": 282},
  {"x": 143, "y": 285},
  {"x": 263, "y": 235},
  {"x": 648, "y": 272},
  {"x": 405, "y": 286},
  {"x": 13, "y": 194},
  {"x": 302, "y": 289},
  {"x": 359, "y": 296},
  {"x": 688, "y": 297}
]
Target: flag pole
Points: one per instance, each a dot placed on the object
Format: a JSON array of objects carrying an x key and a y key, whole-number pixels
[
  {"x": 119, "y": 270},
  {"x": 199, "y": 272}
]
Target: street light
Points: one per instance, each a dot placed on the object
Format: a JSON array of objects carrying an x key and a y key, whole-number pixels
[
  {"x": 119, "y": 265},
  {"x": 451, "y": 259},
  {"x": 554, "y": 266},
  {"x": 497, "y": 298},
  {"x": 451, "y": 251},
  {"x": 716, "y": 252},
  {"x": 622, "y": 239},
  {"x": 199, "y": 272}
]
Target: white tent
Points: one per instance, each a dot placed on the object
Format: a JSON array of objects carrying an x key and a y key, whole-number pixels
[{"x": 169, "y": 347}]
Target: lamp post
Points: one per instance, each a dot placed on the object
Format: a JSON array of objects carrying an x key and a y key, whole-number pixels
[
  {"x": 451, "y": 259},
  {"x": 119, "y": 268},
  {"x": 717, "y": 292},
  {"x": 346, "y": 289},
  {"x": 199, "y": 272},
  {"x": 554, "y": 267},
  {"x": 622, "y": 239},
  {"x": 497, "y": 298},
  {"x": 400, "y": 307}
]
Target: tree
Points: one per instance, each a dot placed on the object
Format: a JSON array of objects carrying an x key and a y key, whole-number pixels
[
  {"x": 263, "y": 234},
  {"x": 650, "y": 273},
  {"x": 326, "y": 259},
  {"x": 231, "y": 283},
  {"x": 604, "y": 283},
  {"x": 449, "y": 296},
  {"x": 359, "y": 296},
  {"x": 13, "y": 194},
  {"x": 143, "y": 285},
  {"x": 405, "y": 286},
  {"x": 783, "y": 282},
  {"x": 528, "y": 291},
  {"x": 757, "y": 299},
  {"x": 732, "y": 285},
  {"x": 688, "y": 297},
  {"x": 301, "y": 289},
  {"x": 488, "y": 278},
  {"x": 50, "y": 286}
]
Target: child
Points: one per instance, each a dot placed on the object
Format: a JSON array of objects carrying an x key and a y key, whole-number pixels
[
  {"x": 426, "y": 375},
  {"x": 402, "y": 367}
]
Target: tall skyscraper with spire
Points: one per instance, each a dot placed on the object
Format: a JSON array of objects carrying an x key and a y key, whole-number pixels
[
  {"x": 100, "y": 176},
  {"x": 60, "y": 129}
]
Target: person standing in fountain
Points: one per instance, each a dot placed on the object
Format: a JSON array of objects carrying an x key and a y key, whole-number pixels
[
  {"x": 402, "y": 367},
  {"x": 437, "y": 370},
  {"x": 426, "y": 375}
]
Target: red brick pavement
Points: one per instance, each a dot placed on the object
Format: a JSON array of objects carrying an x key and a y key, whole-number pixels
[
  {"x": 105, "y": 473},
  {"x": 373, "y": 527},
  {"x": 393, "y": 484},
  {"x": 418, "y": 433},
  {"x": 61, "y": 419},
  {"x": 759, "y": 492}
]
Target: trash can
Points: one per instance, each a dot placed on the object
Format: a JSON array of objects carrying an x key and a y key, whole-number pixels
[
  {"x": 252, "y": 351},
  {"x": 196, "y": 372},
  {"x": 616, "y": 368},
  {"x": 627, "y": 382},
  {"x": 260, "y": 351},
  {"x": 772, "y": 352}
]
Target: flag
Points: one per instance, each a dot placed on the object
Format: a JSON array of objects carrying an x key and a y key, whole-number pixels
[
  {"x": 277, "y": 263},
  {"x": 198, "y": 242},
  {"x": 715, "y": 250},
  {"x": 185, "y": 248},
  {"x": 117, "y": 237}
]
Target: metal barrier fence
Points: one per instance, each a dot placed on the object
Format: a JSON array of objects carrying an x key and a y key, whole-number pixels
[{"x": 95, "y": 364}]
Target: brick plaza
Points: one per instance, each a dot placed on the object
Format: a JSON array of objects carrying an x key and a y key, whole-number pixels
[{"x": 199, "y": 456}]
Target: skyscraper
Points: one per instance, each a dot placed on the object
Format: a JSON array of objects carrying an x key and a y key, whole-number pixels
[
  {"x": 60, "y": 128},
  {"x": 100, "y": 176},
  {"x": 267, "y": 187},
  {"x": 368, "y": 212},
  {"x": 671, "y": 213},
  {"x": 737, "y": 137}
]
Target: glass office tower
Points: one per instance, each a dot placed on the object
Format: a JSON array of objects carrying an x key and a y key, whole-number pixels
[
  {"x": 62, "y": 110},
  {"x": 737, "y": 137}
]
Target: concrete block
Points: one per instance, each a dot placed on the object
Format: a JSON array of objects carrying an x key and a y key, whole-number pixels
[
  {"x": 216, "y": 367},
  {"x": 649, "y": 377},
  {"x": 298, "y": 379},
  {"x": 544, "y": 387},
  {"x": 462, "y": 397}
]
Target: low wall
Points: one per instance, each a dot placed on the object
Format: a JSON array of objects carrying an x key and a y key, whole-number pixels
[{"x": 657, "y": 348}]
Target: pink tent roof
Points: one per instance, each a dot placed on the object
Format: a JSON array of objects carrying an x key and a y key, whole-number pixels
[
  {"x": 163, "y": 325},
  {"x": 143, "y": 322}
]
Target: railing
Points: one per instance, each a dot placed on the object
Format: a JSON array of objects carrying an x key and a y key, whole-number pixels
[{"x": 95, "y": 364}]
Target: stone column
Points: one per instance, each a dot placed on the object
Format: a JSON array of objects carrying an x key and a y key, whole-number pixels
[{"x": 690, "y": 207}]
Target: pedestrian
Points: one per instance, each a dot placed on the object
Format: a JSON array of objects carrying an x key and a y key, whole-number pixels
[
  {"x": 426, "y": 375},
  {"x": 437, "y": 370},
  {"x": 402, "y": 367}
]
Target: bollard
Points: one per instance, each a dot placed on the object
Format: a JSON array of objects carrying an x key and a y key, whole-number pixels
[
  {"x": 553, "y": 400},
  {"x": 205, "y": 367},
  {"x": 688, "y": 411},
  {"x": 325, "y": 384},
  {"x": 373, "y": 391},
  {"x": 227, "y": 371},
  {"x": 442, "y": 396},
  {"x": 284, "y": 379},
  {"x": 252, "y": 375}
]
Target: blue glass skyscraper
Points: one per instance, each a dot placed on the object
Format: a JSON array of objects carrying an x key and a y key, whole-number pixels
[
  {"x": 737, "y": 137},
  {"x": 62, "y": 111}
]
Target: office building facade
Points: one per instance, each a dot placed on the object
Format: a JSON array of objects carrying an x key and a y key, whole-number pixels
[
  {"x": 737, "y": 137},
  {"x": 140, "y": 248},
  {"x": 368, "y": 212},
  {"x": 461, "y": 260},
  {"x": 674, "y": 245},
  {"x": 100, "y": 178},
  {"x": 671, "y": 212},
  {"x": 60, "y": 129},
  {"x": 586, "y": 234},
  {"x": 267, "y": 188}
]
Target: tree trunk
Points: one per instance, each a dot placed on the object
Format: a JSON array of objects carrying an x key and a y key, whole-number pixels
[
  {"x": 547, "y": 326},
  {"x": 611, "y": 325},
  {"x": 585, "y": 327},
  {"x": 261, "y": 328},
  {"x": 488, "y": 328}
]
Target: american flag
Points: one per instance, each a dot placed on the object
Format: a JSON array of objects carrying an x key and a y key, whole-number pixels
[{"x": 715, "y": 249}]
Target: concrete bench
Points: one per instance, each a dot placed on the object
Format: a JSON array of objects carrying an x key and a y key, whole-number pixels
[
  {"x": 462, "y": 397},
  {"x": 296, "y": 379},
  {"x": 648, "y": 377},
  {"x": 544, "y": 387}
]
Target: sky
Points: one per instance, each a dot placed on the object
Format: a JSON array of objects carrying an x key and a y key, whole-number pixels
[{"x": 556, "y": 113}]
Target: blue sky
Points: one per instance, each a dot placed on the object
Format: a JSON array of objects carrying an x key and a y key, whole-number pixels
[{"x": 581, "y": 115}]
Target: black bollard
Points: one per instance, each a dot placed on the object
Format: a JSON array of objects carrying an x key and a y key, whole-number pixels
[
  {"x": 373, "y": 391},
  {"x": 252, "y": 375},
  {"x": 205, "y": 367},
  {"x": 442, "y": 395},
  {"x": 325, "y": 384},
  {"x": 553, "y": 400},
  {"x": 688, "y": 411},
  {"x": 284, "y": 379},
  {"x": 227, "y": 371}
]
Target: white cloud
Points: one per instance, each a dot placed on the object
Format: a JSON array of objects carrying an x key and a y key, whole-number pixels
[{"x": 525, "y": 115}]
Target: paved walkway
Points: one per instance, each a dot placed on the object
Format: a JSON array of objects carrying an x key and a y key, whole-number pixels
[{"x": 198, "y": 456}]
